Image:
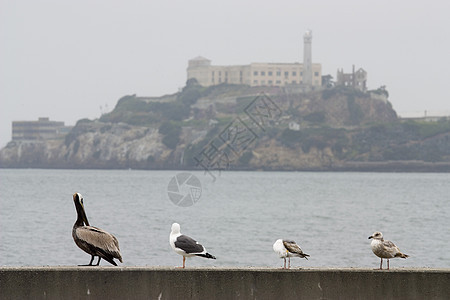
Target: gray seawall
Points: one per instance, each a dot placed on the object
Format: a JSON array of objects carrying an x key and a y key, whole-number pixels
[{"x": 221, "y": 283}]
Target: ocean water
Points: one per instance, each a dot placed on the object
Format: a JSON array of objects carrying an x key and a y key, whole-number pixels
[{"x": 237, "y": 218}]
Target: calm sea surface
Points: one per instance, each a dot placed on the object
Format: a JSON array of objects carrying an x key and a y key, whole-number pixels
[{"x": 238, "y": 217}]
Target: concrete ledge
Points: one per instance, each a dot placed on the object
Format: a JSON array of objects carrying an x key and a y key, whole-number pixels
[{"x": 221, "y": 283}]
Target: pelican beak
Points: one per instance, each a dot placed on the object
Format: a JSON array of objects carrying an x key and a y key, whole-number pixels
[
  {"x": 85, "y": 219},
  {"x": 80, "y": 207}
]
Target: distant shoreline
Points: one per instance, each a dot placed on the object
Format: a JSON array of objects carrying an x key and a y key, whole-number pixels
[{"x": 376, "y": 167}]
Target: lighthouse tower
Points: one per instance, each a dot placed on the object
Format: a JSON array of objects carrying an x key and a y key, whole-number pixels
[{"x": 307, "y": 58}]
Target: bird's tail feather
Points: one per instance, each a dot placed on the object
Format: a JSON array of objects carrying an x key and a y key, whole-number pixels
[
  {"x": 110, "y": 260},
  {"x": 402, "y": 255},
  {"x": 206, "y": 255}
]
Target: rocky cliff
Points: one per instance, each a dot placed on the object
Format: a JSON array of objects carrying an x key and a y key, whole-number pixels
[
  {"x": 239, "y": 127},
  {"x": 93, "y": 144}
]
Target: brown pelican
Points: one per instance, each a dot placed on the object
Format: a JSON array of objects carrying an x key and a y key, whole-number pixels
[
  {"x": 286, "y": 248},
  {"x": 384, "y": 249},
  {"x": 93, "y": 240}
]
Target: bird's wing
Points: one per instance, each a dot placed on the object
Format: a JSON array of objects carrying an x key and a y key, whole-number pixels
[
  {"x": 292, "y": 247},
  {"x": 188, "y": 244},
  {"x": 389, "y": 247},
  {"x": 99, "y": 238}
]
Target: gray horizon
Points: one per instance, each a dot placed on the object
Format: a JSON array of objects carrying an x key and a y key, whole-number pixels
[{"x": 69, "y": 61}]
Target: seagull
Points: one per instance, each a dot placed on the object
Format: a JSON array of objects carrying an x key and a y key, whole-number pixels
[
  {"x": 384, "y": 249},
  {"x": 186, "y": 246},
  {"x": 286, "y": 248}
]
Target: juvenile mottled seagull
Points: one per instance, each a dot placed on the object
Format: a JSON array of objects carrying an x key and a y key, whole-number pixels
[
  {"x": 288, "y": 249},
  {"x": 384, "y": 249},
  {"x": 186, "y": 246},
  {"x": 93, "y": 240}
]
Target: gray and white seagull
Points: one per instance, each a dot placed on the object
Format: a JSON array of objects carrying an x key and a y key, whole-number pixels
[
  {"x": 186, "y": 246},
  {"x": 384, "y": 249},
  {"x": 287, "y": 248}
]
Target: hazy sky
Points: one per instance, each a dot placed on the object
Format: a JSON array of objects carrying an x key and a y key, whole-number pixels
[{"x": 65, "y": 59}]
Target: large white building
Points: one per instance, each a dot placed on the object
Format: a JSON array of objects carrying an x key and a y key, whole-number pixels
[{"x": 259, "y": 74}]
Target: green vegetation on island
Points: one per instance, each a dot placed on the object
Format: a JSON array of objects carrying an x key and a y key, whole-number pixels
[{"x": 323, "y": 129}]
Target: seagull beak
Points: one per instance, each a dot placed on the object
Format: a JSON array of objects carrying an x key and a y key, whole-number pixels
[{"x": 370, "y": 237}]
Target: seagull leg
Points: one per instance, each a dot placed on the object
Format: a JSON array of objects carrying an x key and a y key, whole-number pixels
[
  {"x": 381, "y": 264},
  {"x": 184, "y": 259},
  {"x": 98, "y": 261},
  {"x": 289, "y": 259},
  {"x": 388, "y": 264},
  {"x": 284, "y": 262}
]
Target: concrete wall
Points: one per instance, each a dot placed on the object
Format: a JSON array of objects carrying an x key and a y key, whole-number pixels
[{"x": 220, "y": 283}]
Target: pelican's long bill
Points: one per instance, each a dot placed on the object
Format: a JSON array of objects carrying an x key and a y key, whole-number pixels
[{"x": 78, "y": 200}]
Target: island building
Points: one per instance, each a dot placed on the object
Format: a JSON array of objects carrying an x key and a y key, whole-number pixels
[
  {"x": 260, "y": 74},
  {"x": 356, "y": 79},
  {"x": 42, "y": 129}
]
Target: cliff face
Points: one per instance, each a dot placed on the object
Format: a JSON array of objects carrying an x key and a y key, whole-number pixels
[
  {"x": 354, "y": 150},
  {"x": 339, "y": 108},
  {"x": 333, "y": 129},
  {"x": 92, "y": 145}
]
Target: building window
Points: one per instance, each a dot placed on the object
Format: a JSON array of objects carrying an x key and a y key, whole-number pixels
[
  {"x": 263, "y": 82},
  {"x": 255, "y": 81},
  {"x": 294, "y": 73},
  {"x": 316, "y": 74},
  {"x": 301, "y": 73},
  {"x": 270, "y": 73},
  {"x": 270, "y": 82},
  {"x": 278, "y": 73},
  {"x": 263, "y": 73},
  {"x": 255, "y": 73},
  {"x": 278, "y": 81},
  {"x": 286, "y": 74},
  {"x": 212, "y": 73},
  {"x": 293, "y": 81}
]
